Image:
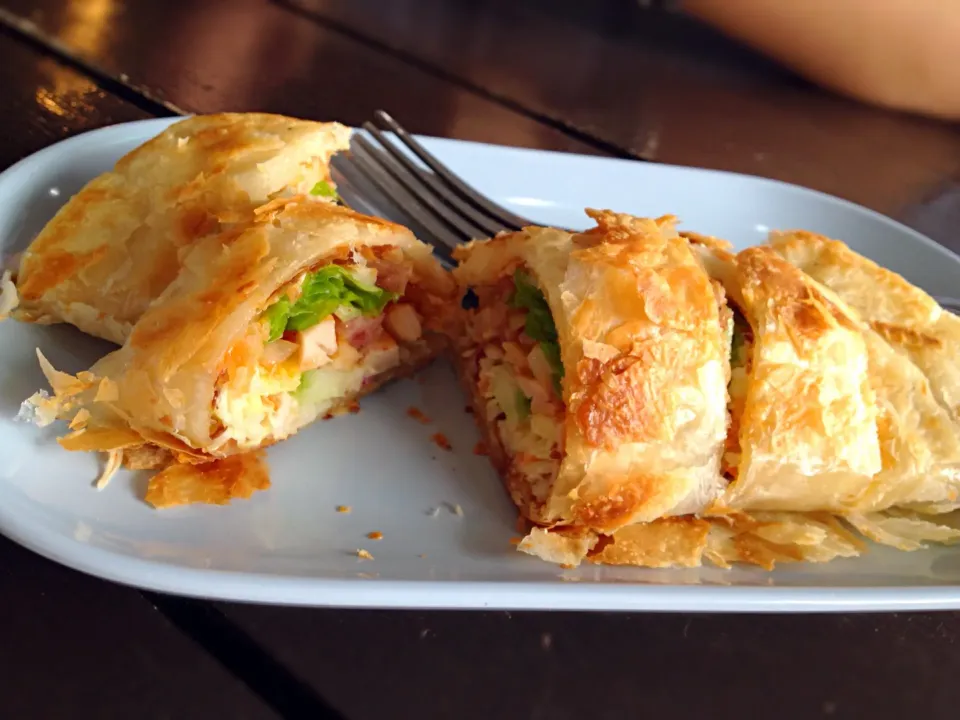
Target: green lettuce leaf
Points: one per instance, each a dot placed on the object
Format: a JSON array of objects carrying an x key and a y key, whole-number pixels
[
  {"x": 324, "y": 189},
  {"x": 330, "y": 290},
  {"x": 539, "y": 323},
  {"x": 276, "y": 316}
]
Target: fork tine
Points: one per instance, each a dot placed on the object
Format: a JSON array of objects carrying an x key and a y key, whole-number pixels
[
  {"x": 951, "y": 304},
  {"x": 428, "y": 182},
  {"x": 437, "y": 234},
  {"x": 498, "y": 213},
  {"x": 461, "y": 225}
]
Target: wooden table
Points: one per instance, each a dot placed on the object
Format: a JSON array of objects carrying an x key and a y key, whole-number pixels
[{"x": 603, "y": 78}]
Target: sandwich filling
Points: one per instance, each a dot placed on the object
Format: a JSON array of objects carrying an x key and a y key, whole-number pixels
[
  {"x": 516, "y": 374},
  {"x": 741, "y": 354},
  {"x": 326, "y": 337}
]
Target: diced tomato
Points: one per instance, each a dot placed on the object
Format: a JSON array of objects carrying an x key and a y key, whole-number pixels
[{"x": 363, "y": 331}]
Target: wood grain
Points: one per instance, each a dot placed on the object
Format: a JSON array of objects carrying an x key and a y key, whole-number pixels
[
  {"x": 75, "y": 646},
  {"x": 655, "y": 86},
  {"x": 663, "y": 87},
  {"x": 45, "y": 101},
  {"x": 209, "y": 55},
  {"x": 543, "y": 73},
  {"x": 565, "y": 666}
]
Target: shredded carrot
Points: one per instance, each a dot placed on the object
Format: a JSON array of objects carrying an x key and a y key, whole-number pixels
[
  {"x": 441, "y": 441},
  {"x": 375, "y": 535},
  {"x": 343, "y": 508}
]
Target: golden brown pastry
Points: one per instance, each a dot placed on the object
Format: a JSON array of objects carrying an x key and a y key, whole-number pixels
[
  {"x": 268, "y": 326},
  {"x": 830, "y": 432},
  {"x": 761, "y": 538},
  {"x": 214, "y": 483},
  {"x": 803, "y": 431},
  {"x": 118, "y": 243},
  {"x": 919, "y": 436},
  {"x": 904, "y": 315},
  {"x": 597, "y": 366},
  {"x": 825, "y": 415}
]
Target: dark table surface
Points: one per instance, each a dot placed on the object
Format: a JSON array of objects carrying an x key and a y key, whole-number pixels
[{"x": 603, "y": 78}]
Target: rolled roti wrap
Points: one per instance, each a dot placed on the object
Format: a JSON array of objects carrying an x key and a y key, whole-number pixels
[
  {"x": 826, "y": 415},
  {"x": 803, "y": 432},
  {"x": 653, "y": 399},
  {"x": 903, "y": 314},
  {"x": 117, "y": 244},
  {"x": 267, "y": 327},
  {"x": 597, "y": 365},
  {"x": 913, "y": 346}
]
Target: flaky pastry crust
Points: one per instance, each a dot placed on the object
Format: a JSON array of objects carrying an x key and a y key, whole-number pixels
[
  {"x": 118, "y": 243},
  {"x": 645, "y": 357},
  {"x": 903, "y": 314},
  {"x": 808, "y": 433},
  {"x": 162, "y": 382}
]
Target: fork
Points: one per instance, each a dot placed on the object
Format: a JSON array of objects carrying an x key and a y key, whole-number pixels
[
  {"x": 445, "y": 210},
  {"x": 398, "y": 179}
]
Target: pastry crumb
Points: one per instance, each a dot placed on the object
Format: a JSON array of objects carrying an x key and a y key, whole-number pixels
[
  {"x": 107, "y": 391},
  {"x": 114, "y": 459},
  {"x": 480, "y": 449},
  {"x": 567, "y": 566},
  {"x": 343, "y": 508},
  {"x": 79, "y": 421},
  {"x": 418, "y": 415},
  {"x": 441, "y": 441},
  {"x": 213, "y": 483},
  {"x": 455, "y": 509},
  {"x": 375, "y": 535},
  {"x": 364, "y": 555},
  {"x": 434, "y": 512}
]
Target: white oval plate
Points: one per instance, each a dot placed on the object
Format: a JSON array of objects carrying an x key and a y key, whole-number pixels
[{"x": 289, "y": 545}]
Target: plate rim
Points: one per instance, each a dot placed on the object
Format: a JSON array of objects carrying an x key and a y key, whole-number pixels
[
  {"x": 239, "y": 586},
  {"x": 281, "y": 589}
]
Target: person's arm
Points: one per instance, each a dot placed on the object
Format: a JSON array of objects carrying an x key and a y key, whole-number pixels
[{"x": 902, "y": 54}]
